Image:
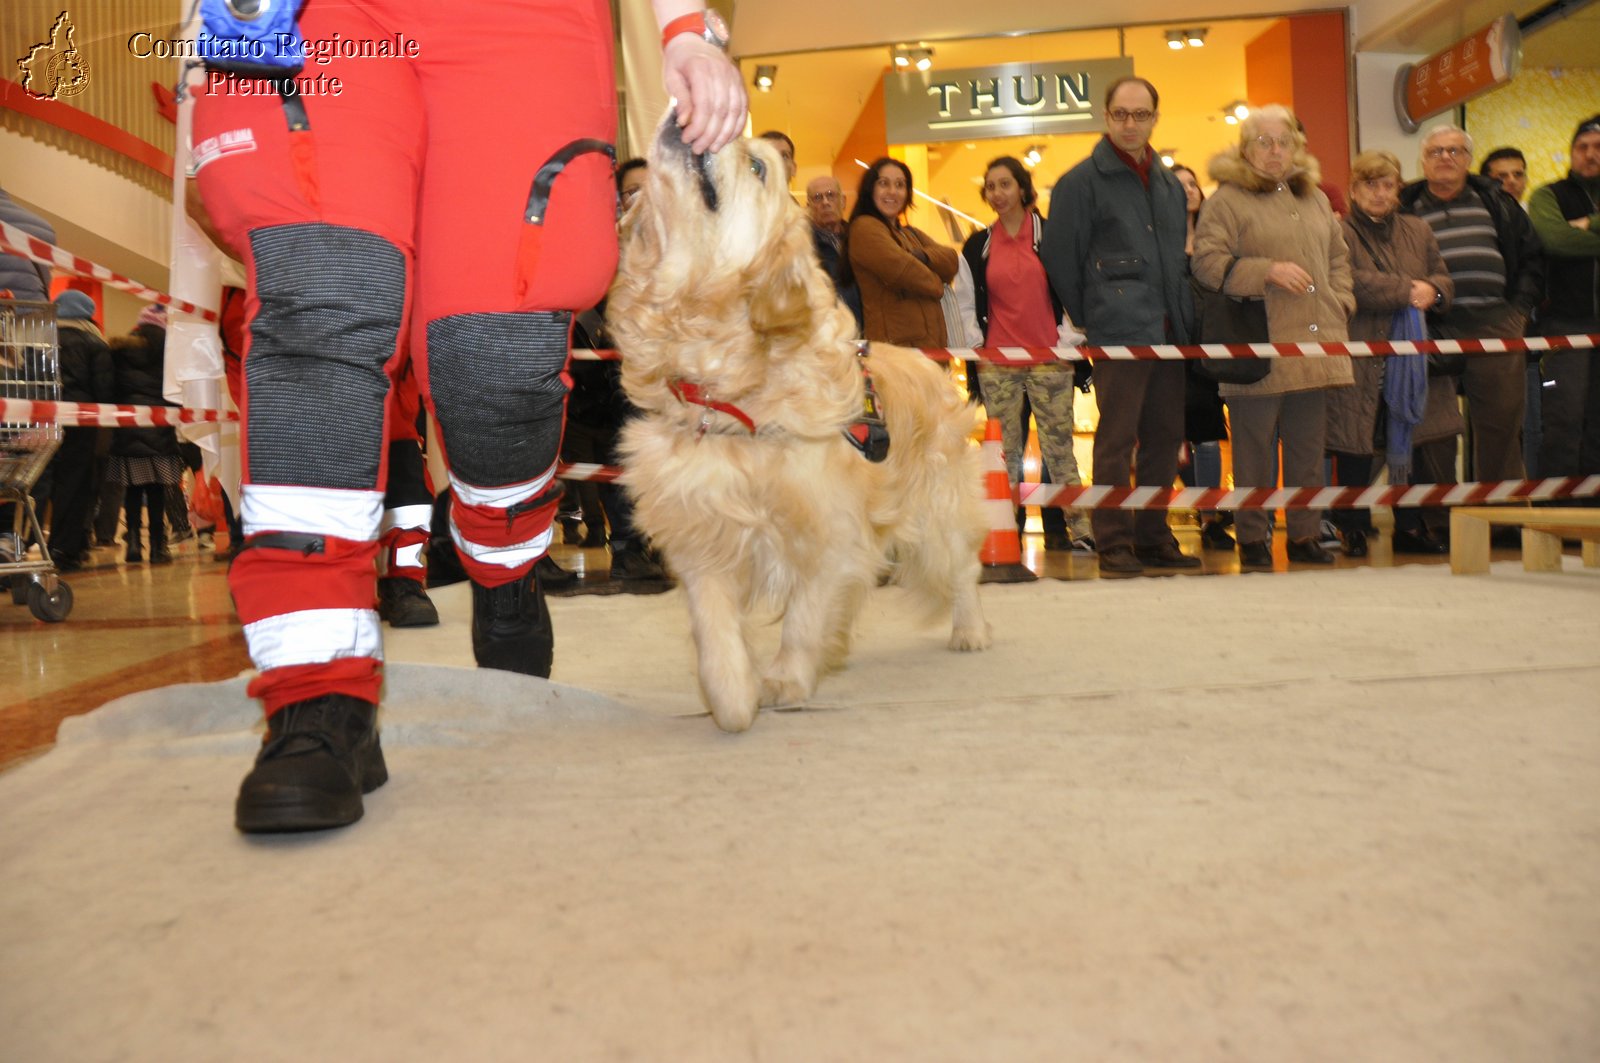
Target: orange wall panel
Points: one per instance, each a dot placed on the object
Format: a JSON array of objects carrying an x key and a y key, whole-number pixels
[
  {"x": 1268, "y": 69},
  {"x": 1322, "y": 91},
  {"x": 868, "y": 140},
  {"x": 1300, "y": 62}
]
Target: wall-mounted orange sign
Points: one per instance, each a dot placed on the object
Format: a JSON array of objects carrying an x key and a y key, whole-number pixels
[{"x": 1468, "y": 68}]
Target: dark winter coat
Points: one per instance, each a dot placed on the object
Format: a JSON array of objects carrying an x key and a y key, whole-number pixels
[
  {"x": 87, "y": 372},
  {"x": 1114, "y": 252},
  {"x": 1259, "y": 220},
  {"x": 22, "y": 277},
  {"x": 1406, "y": 251},
  {"x": 1572, "y": 256},
  {"x": 1519, "y": 244},
  {"x": 139, "y": 363}
]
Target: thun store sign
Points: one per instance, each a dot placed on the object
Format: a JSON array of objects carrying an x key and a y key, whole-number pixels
[{"x": 1017, "y": 99}]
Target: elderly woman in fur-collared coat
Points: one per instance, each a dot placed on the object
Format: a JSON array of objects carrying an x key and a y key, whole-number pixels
[{"x": 1268, "y": 233}]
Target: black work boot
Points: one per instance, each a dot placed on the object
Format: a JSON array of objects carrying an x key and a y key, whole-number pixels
[
  {"x": 403, "y": 602},
  {"x": 511, "y": 627},
  {"x": 320, "y": 755},
  {"x": 632, "y": 560}
]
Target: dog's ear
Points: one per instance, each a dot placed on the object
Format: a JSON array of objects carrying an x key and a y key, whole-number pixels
[{"x": 780, "y": 290}]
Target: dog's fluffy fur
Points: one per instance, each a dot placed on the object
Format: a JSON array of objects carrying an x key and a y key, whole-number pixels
[{"x": 719, "y": 286}]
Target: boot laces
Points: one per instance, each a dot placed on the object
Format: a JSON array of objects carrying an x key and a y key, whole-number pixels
[{"x": 307, "y": 727}]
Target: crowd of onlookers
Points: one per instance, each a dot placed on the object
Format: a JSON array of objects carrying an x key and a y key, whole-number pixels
[
  {"x": 100, "y": 479},
  {"x": 1135, "y": 252}
]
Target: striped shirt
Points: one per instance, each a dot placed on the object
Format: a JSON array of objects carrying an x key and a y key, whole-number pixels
[{"x": 1469, "y": 244}]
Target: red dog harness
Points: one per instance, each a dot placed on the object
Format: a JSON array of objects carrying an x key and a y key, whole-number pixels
[{"x": 869, "y": 435}]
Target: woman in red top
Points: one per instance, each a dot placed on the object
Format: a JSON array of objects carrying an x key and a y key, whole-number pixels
[{"x": 1016, "y": 308}]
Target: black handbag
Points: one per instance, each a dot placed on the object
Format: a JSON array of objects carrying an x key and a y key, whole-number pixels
[{"x": 1224, "y": 319}]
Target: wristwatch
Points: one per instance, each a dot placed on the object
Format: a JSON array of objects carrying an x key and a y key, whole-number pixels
[{"x": 707, "y": 25}]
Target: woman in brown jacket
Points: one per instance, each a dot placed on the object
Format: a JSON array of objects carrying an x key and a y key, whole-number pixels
[
  {"x": 901, "y": 271},
  {"x": 1268, "y": 233},
  {"x": 1395, "y": 263}
]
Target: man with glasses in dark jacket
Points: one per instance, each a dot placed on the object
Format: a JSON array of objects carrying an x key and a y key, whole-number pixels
[{"x": 1113, "y": 249}]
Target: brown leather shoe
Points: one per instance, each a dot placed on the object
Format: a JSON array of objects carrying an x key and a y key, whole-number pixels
[
  {"x": 1308, "y": 552},
  {"x": 1166, "y": 555},
  {"x": 1119, "y": 562},
  {"x": 1256, "y": 556}
]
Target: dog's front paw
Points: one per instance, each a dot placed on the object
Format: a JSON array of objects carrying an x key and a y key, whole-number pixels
[
  {"x": 969, "y": 640},
  {"x": 734, "y": 718}
]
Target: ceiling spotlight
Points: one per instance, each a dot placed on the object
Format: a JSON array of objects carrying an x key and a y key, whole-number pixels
[
  {"x": 1195, "y": 38},
  {"x": 765, "y": 73},
  {"x": 1235, "y": 112},
  {"x": 1167, "y": 160},
  {"x": 1034, "y": 153},
  {"x": 1175, "y": 40},
  {"x": 906, "y": 56}
]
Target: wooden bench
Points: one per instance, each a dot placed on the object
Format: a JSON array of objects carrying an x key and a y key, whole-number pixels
[{"x": 1542, "y": 532}]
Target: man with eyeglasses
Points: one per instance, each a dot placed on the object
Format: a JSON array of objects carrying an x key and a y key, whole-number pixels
[
  {"x": 825, "y": 207},
  {"x": 1566, "y": 215},
  {"x": 1497, "y": 264},
  {"x": 1113, "y": 249}
]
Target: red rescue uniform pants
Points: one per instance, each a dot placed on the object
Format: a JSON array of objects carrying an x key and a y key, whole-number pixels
[{"x": 391, "y": 203}]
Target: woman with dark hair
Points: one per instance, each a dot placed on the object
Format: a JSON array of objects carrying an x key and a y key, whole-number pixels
[
  {"x": 1016, "y": 307},
  {"x": 901, "y": 271},
  {"x": 144, "y": 460},
  {"x": 1204, "y": 426},
  {"x": 1193, "y": 198}
]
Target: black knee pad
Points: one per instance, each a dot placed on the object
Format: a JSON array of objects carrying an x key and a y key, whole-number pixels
[
  {"x": 331, "y": 304},
  {"x": 497, "y": 388}
]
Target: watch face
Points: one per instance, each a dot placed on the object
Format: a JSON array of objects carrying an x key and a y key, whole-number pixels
[{"x": 716, "y": 28}]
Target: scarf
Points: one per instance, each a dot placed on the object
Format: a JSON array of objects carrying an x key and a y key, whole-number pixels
[{"x": 1405, "y": 393}]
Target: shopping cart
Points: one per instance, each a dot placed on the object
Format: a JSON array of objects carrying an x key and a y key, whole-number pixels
[{"x": 30, "y": 370}]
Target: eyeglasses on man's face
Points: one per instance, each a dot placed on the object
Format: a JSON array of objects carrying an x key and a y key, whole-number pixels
[
  {"x": 1121, "y": 115},
  {"x": 1455, "y": 151},
  {"x": 1283, "y": 143},
  {"x": 830, "y": 196}
]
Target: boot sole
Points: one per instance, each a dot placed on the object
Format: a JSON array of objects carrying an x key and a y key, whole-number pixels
[
  {"x": 411, "y": 621},
  {"x": 1121, "y": 573}
]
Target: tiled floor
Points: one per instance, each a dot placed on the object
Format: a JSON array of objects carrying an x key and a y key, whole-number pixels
[{"x": 136, "y": 627}]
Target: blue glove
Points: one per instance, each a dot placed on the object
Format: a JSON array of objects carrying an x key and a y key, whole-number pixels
[{"x": 255, "y": 37}]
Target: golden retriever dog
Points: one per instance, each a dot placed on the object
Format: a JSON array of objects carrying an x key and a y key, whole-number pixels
[{"x": 745, "y": 367}]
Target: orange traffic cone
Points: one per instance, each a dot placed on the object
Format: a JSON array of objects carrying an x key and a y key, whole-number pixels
[{"x": 1002, "y": 550}]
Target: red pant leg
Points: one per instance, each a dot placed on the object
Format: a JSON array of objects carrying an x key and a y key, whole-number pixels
[
  {"x": 318, "y": 195},
  {"x": 494, "y": 291}
]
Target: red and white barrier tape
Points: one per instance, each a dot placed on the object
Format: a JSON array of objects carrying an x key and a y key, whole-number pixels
[
  {"x": 1132, "y": 498},
  {"x": 14, "y": 412},
  {"x": 20, "y": 242},
  {"x": 23, "y": 412},
  {"x": 1465, "y": 494},
  {"x": 603, "y": 474},
  {"x": 1175, "y": 352}
]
